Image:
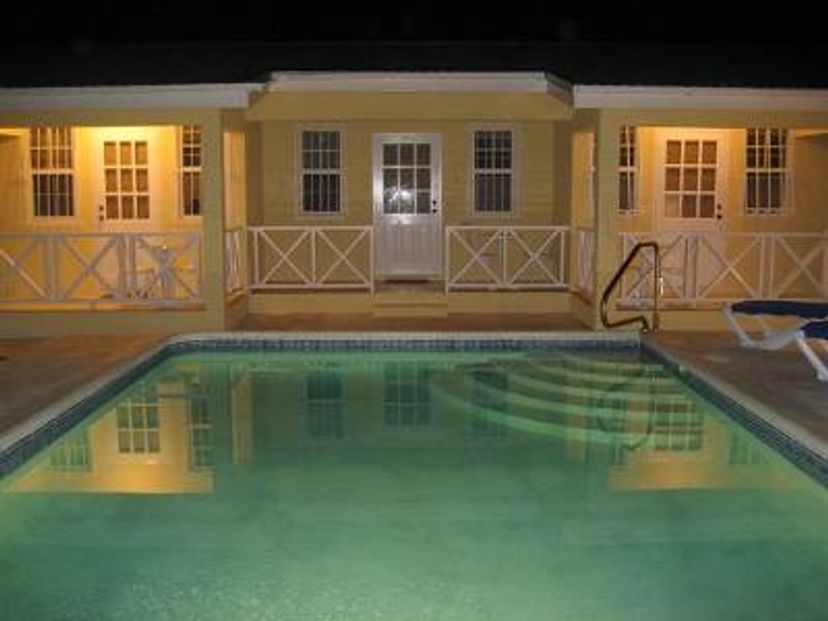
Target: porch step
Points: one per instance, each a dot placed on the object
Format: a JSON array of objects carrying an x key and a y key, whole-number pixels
[{"x": 411, "y": 303}]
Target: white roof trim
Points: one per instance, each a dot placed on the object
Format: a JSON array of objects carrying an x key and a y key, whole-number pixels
[
  {"x": 587, "y": 96},
  {"x": 152, "y": 96},
  {"x": 409, "y": 82}
]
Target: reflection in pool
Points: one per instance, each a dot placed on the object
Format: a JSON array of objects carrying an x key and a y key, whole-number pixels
[{"x": 507, "y": 485}]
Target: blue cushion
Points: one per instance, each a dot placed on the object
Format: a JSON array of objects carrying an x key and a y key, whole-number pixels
[
  {"x": 816, "y": 330},
  {"x": 806, "y": 310}
]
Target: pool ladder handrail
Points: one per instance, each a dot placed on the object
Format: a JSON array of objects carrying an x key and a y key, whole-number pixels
[{"x": 616, "y": 279}]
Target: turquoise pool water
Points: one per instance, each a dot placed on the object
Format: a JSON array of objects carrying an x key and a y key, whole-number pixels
[{"x": 543, "y": 485}]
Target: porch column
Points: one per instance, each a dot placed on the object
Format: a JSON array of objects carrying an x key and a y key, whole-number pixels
[
  {"x": 606, "y": 198},
  {"x": 212, "y": 219}
]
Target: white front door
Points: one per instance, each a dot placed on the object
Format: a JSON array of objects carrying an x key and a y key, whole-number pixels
[
  {"x": 690, "y": 185},
  {"x": 690, "y": 195},
  {"x": 407, "y": 220}
]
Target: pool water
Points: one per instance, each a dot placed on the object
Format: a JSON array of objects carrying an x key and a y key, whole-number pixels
[{"x": 538, "y": 485}]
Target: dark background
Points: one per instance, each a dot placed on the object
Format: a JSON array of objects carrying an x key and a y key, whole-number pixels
[{"x": 676, "y": 21}]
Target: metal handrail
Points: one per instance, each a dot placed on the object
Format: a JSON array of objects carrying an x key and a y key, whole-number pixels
[{"x": 645, "y": 325}]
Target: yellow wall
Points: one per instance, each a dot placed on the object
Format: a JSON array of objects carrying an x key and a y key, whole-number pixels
[{"x": 538, "y": 201}]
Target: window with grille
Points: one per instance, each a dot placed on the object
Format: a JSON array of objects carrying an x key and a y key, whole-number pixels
[
  {"x": 53, "y": 176},
  {"x": 627, "y": 153},
  {"x": 493, "y": 171},
  {"x": 407, "y": 394},
  {"x": 766, "y": 171},
  {"x": 139, "y": 425},
  {"x": 677, "y": 426},
  {"x": 200, "y": 432},
  {"x": 321, "y": 172},
  {"x": 323, "y": 390},
  {"x": 126, "y": 174},
  {"x": 71, "y": 454},
  {"x": 190, "y": 180}
]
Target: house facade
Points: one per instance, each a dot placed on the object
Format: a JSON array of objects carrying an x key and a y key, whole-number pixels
[{"x": 185, "y": 207}]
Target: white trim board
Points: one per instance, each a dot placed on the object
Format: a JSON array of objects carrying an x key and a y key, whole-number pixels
[
  {"x": 152, "y": 97},
  {"x": 632, "y": 97}
]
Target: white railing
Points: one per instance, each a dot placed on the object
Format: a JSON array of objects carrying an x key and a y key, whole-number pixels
[
  {"x": 95, "y": 268},
  {"x": 704, "y": 268},
  {"x": 505, "y": 257},
  {"x": 312, "y": 257},
  {"x": 233, "y": 258},
  {"x": 586, "y": 261}
]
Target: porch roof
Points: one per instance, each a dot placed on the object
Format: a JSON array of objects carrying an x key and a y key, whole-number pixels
[{"x": 645, "y": 64}]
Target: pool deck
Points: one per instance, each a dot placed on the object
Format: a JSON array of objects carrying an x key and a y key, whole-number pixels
[{"x": 39, "y": 374}]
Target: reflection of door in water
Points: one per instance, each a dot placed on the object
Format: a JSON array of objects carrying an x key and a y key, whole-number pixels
[
  {"x": 691, "y": 197},
  {"x": 407, "y": 220}
]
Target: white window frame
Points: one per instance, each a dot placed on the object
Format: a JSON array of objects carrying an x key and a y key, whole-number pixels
[
  {"x": 184, "y": 169},
  {"x": 144, "y": 405},
  {"x": 51, "y": 170},
  {"x": 628, "y": 166},
  {"x": 785, "y": 209},
  {"x": 119, "y": 193},
  {"x": 301, "y": 171},
  {"x": 473, "y": 171}
]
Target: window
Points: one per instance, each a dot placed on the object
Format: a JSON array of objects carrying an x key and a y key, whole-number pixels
[
  {"x": 71, "y": 454},
  {"x": 126, "y": 174},
  {"x": 677, "y": 426},
  {"x": 766, "y": 170},
  {"x": 627, "y": 203},
  {"x": 53, "y": 176},
  {"x": 201, "y": 433},
  {"x": 321, "y": 173},
  {"x": 190, "y": 171},
  {"x": 493, "y": 171},
  {"x": 324, "y": 395},
  {"x": 407, "y": 394},
  {"x": 139, "y": 425}
]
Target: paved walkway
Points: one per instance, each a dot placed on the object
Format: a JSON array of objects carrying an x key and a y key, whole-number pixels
[{"x": 37, "y": 372}]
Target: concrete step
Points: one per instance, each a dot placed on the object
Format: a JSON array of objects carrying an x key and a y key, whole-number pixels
[{"x": 410, "y": 304}]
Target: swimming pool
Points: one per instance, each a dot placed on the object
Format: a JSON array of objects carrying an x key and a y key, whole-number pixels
[{"x": 448, "y": 481}]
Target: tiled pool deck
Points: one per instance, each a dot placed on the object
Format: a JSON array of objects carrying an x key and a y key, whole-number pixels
[{"x": 39, "y": 376}]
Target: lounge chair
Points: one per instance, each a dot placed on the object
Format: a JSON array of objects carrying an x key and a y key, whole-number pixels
[{"x": 810, "y": 323}]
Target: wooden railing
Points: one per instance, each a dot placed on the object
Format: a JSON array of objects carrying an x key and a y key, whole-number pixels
[
  {"x": 94, "y": 268},
  {"x": 700, "y": 269},
  {"x": 505, "y": 257},
  {"x": 312, "y": 257}
]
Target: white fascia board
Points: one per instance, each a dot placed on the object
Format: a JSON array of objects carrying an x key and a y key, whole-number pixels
[
  {"x": 143, "y": 97},
  {"x": 413, "y": 82},
  {"x": 642, "y": 97}
]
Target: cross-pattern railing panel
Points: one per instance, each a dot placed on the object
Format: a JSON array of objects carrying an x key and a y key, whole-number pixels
[
  {"x": 506, "y": 257},
  {"x": 128, "y": 268},
  {"x": 312, "y": 257},
  {"x": 704, "y": 268}
]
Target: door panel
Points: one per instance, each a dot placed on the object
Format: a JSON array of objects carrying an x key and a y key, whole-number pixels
[{"x": 407, "y": 219}]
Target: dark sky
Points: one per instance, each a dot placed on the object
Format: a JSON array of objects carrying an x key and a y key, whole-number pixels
[{"x": 679, "y": 21}]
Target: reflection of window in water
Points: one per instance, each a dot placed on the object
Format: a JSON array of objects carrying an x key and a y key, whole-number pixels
[
  {"x": 744, "y": 451},
  {"x": 138, "y": 424},
  {"x": 677, "y": 426},
  {"x": 407, "y": 394},
  {"x": 323, "y": 390},
  {"x": 617, "y": 423},
  {"x": 72, "y": 453},
  {"x": 201, "y": 433},
  {"x": 488, "y": 395}
]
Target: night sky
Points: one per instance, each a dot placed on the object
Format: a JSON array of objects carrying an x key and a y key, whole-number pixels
[{"x": 271, "y": 20}]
